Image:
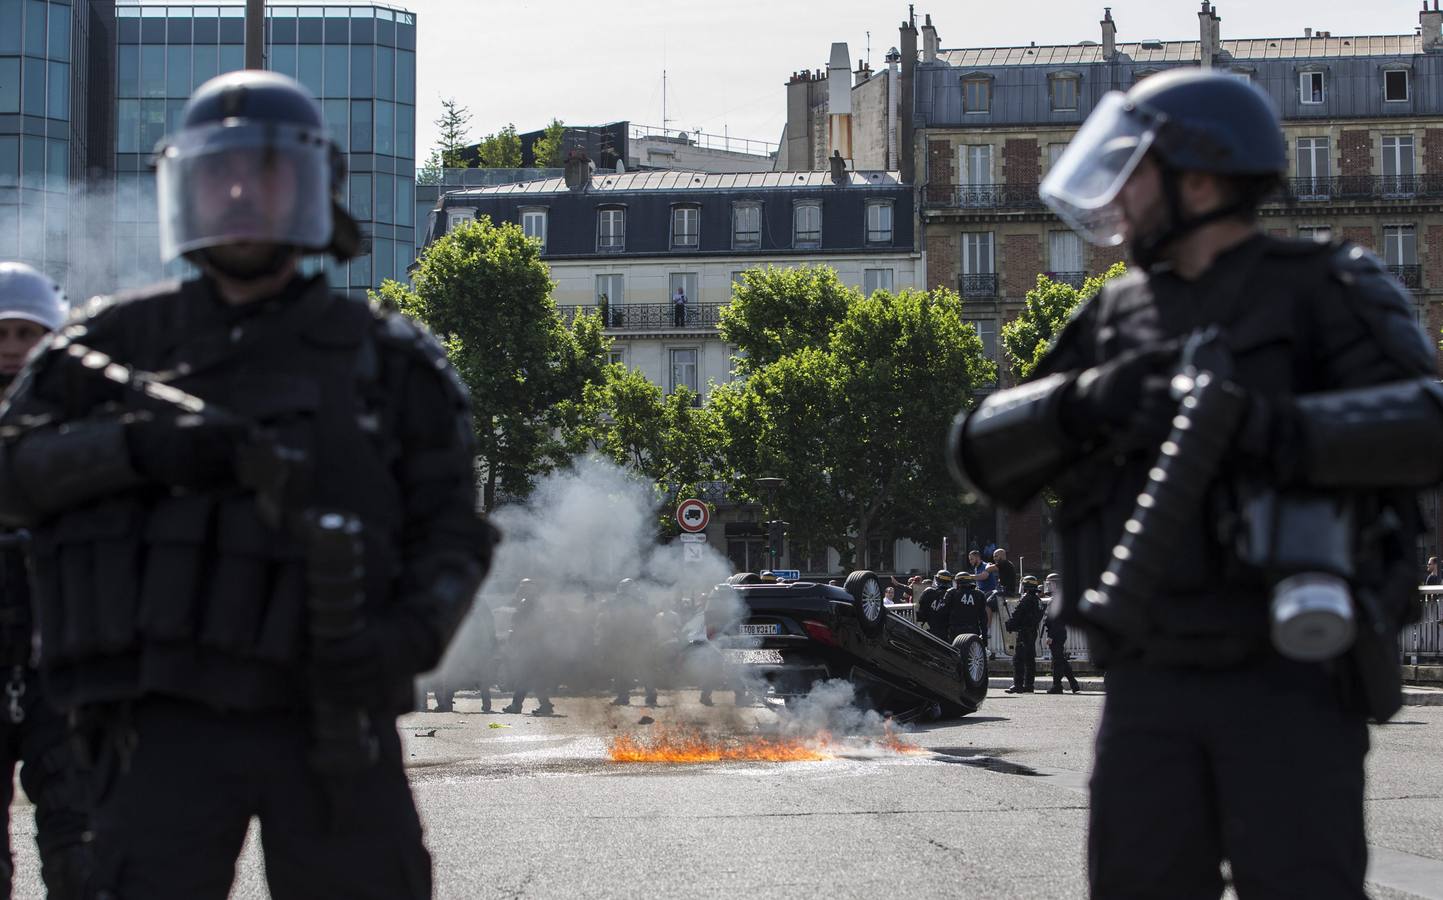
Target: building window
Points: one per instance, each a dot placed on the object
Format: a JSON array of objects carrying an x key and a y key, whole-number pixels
[
  {"x": 616, "y": 356},
  {"x": 610, "y": 295},
  {"x": 976, "y": 95},
  {"x": 746, "y": 226},
  {"x": 1395, "y": 85},
  {"x": 1310, "y": 87},
  {"x": 979, "y": 277},
  {"x": 1064, "y": 257},
  {"x": 807, "y": 225},
  {"x": 1400, "y": 253},
  {"x": 533, "y": 222},
  {"x": 1064, "y": 92},
  {"x": 876, "y": 280},
  {"x": 977, "y": 164},
  {"x": 683, "y": 287},
  {"x": 1320, "y": 233},
  {"x": 1398, "y": 169},
  {"x": 454, "y": 217},
  {"x": 879, "y": 221},
  {"x": 1314, "y": 169},
  {"x": 1054, "y": 153},
  {"x": 986, "y": 330},
  {"x": 611, "y": 230},
  {"x": 683, "y": 369},
  {"x": 685, "y": 227}
]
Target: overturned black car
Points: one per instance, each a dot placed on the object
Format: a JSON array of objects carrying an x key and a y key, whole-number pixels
[{"x": 794, "y": 635}]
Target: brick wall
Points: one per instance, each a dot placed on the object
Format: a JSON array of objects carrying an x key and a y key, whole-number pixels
[
  {"x": 1433, "y": 151},
  {"x": 1021, "y": 161},
  {"x": 943, "y": 259},
  {"x": 1023, "y": 538},
  {"x": 1361, "y": 234},
  {"x": 1433, "y": 328},
  {"x": 1100, "y": 259},
  {"x": 1020, "y": 262},
  {"x": 1431, "y": 252},
  {"x": 1280, "y": 232},
  {"x": 1355, "y": 152},
  {"x": 941, "y": 170}
]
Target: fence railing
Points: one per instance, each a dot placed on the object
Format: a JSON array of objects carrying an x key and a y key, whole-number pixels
[
  {"x": 977, "y": 285},
  {"x": 702, "y": 139},
  {"x": 1422, "y": 642},
  {"x": 649, "y": 316},
  {"x": 983, "y": 196},
  {"x": 1411, "y": 276},
  {"x": 1075, "y": 279},
  {"x": 1355, "y": 188}
]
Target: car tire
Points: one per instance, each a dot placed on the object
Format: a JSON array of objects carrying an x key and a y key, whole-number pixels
[
  {"x": 865, "y": 589},
  {"x": 745, "y": 578},
  {"x": 972, "y": 663}
]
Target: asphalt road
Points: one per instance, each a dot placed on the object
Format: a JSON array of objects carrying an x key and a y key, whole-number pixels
[{"x": 991, "y": 805}]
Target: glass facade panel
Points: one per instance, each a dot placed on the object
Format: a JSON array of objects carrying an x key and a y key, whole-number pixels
[
  {"x": 338, "y": 75},
  {"x": 127, "y": 71},
  {"x": 9, "y": 160},
  {"x": 11, "y": 22},
  {"x": 283, "y": 59},
  {"x": 57, "y": 165},
  {"x": 60, "y": 35},
  {"x": 338, "y": 117},
  {"x": 205, "y": 65},
  {"x": 35, "y": 27},
  {"x": 405, "y": 200},
  {"x": 177, "y": 71},
  {"x": 385, "y": 73},
  {"x": 360, "y": 205},
  {"x": 362, "y": 62},
  {"x": 383, "y": 260},
  {"x": 9, "y": 84},
  {"x": 9, "y": 227},
  {"x": 385, "y": 199},
  {"x": 152, "y": 71},
  {"x": 361, "y": 126},
  {"x": 57, "y": 104},
  {"x": 152, "y": 123},
  {"x": 127, "y": 126},
  {"x": 232, "y": 58},
  {"x": 406, "y": 131},
  {"x": 32, "y": 161},
  {"x": 385, "y": 127},
  {"x": 361, "y": 272},
  {"x": 405, "y": 76},
  {"x": 308, "y": 67},
  {"x": 33, "y": 86}
]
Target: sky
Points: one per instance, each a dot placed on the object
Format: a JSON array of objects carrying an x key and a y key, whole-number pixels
[{"x": 727, "y": 61}]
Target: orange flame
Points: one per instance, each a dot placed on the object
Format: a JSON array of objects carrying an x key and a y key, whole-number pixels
[{"x": 679, "y": 744}]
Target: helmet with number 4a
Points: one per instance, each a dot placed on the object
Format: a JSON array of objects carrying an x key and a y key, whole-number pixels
[{"x": 252, "y": 163}]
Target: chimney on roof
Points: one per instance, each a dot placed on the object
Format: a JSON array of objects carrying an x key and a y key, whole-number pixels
[
  {"x": 1431, "y": 22},
  {"x": 908, "y": 57},
  {"x": 578, "y": 170},
  {"x": 1307, "y": 32},
  {"x": 1109, "y": 34},
  {"x": 1208, "y": 32},
  {"x": 839, "y": 168},
  {"x": 862, "y": 73},
  {"x": 929, "y": 40}
]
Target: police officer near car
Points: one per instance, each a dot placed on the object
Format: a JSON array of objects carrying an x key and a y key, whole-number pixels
[
  {"x": 530, "y": 652},
  {"x": 627, "y": 635},
  {"x": 1057, "y": 637},
  {"x": 33, "y": 734},
  {"x": 254, "y": 524},
  {"x": 1025, "y": 618},
  {"x": 931, "y": 608},
  {"x": 1275, "y": 406},
  {"x": 966, "y": 608}
]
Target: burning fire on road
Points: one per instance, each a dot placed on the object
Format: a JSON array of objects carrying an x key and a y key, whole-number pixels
[{"x": 681, "y": 744}]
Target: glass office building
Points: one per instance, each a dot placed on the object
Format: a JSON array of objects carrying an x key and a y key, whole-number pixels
[
  {"x": 359, "y": 60},
  {"x": 54, "y": 116}
]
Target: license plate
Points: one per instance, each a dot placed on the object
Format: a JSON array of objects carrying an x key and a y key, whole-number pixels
[
  {"x": 753, "y": 657},
  {"x": 761, "y": 629}
]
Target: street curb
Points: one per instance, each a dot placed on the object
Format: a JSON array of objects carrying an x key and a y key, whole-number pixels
[{"x": 1422, "y": 696}]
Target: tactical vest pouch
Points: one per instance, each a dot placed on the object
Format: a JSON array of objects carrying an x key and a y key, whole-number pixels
[
  {"x": 176, "y": 537},
  {"x": 87, "y": 572},
  {"x": 247, "y": 553}
]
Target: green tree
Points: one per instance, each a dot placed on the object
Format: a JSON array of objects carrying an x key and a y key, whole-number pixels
[
  {"x": 485, "y": 292},
  {"x": 455, "y": 128},
  {"x": 856, "y": 422},
  {"x": 431, "y": 171},
  {"x": 1047, "y": 308},
  {"x": 548, "y": 152},
  {"x": 776, "y": 311},
  {"x": 501, "y": 150}
]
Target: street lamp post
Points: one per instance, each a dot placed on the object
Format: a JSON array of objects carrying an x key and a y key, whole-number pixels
[
  {"x": 771, "y": 485},
  {"x": 255, "y": 34}
]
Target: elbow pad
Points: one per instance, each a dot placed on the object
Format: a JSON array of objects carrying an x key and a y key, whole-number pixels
[
  {"x": 1387, "y": 435},
  {"x": 52, "y": 470},
  {"x": 1013, "y": 444}
]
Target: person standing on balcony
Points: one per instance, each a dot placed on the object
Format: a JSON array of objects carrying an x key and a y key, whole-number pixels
[
  {"x": 678, "y": 303},
  {"x": 1433, "y": 577}
]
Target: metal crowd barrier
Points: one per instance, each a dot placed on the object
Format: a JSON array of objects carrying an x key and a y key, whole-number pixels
[
  {"x": 1422, "y": 642},
  {"x": 1076, "y": 639}
]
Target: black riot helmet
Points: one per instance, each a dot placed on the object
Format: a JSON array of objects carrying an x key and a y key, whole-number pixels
[
  {"x": 252, "y": 163},
  {"x": 1189, "y": 120}
]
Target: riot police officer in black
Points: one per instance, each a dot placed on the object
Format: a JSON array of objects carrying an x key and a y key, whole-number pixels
[
  {"x": 253, "y": 508},
  {"x": 931, "y": 604},
  {"x": 32, "y": 732},
  {"x": 1057, "y": 639},
  {"x": 1026, "y": 617},
  {"x": 1221, "y": 737},
  {"x": 965, "y": 607}
]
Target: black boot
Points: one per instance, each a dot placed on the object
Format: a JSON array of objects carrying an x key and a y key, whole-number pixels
[
  {"x": 1076, "y": 688},
  {"x": 1056, "y": 688},
  {"x": 706, "y": 698}
]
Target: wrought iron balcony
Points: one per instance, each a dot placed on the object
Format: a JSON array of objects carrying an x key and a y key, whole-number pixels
[
  {"x": 649, "y": 316},
  {"x": 973, "y": 285},
  {"x": 1075, "y": 279},
  {"x": 1356, "y": 188},
  {"x": 1411, "y": 276},
  {"x": 983, "y": 196}
]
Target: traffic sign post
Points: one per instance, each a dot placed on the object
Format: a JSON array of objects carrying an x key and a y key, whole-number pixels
[
  {"x": 788, "y": 574},
  {"x": 693, "y": 516},
  {"x": 688, "y": 538},
  {"x": 691, "y": 552}
]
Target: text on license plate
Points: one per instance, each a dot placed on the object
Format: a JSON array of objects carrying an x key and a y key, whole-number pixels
[{"x": 762, "y": 629}]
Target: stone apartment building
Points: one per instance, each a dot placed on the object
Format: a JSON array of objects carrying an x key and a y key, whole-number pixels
[{"x": 1363, "y": 117}]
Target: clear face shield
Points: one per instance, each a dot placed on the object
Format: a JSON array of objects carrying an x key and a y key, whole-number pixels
[
  {"x": 1084, "y": 183},
  {"x": 250, "y": 183}
]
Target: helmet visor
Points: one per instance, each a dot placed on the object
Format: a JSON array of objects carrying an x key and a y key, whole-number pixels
[
  {"x": 1083, "y": 185},
  {"x": 229, "y": 184}
]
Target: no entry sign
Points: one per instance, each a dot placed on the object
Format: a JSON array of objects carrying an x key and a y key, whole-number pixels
[{"x": 692, "y": 515}]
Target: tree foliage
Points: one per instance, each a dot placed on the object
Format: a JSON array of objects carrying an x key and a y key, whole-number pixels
[
  {"x": 454, "y": 126},
  {"x": 501, "y": 150},
  {"x": 1048, "y": 306},
  {"x": 548, "y": 151},
  {"x": 853, "y": 415},
  {"x": 485, "y": 292},
  {"x": 776, "y": 311}
]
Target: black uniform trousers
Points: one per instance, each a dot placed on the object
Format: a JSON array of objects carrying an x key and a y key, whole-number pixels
[
  {"x": 172, "y": 822},
  {"x": 1260, "y": 765},
  {"x": 53, "y": 783},
  {"x": 1024, "y": 661},
  {"x": 1061, "y": 667}
]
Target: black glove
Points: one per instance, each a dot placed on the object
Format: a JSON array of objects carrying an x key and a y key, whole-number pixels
[
  {"x": 348, "y": 672},
  {"x": 189, "y": 451},
  {"x": 1129, "y": 396}
]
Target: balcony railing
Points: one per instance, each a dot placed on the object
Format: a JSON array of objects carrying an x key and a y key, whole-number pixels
[
  {"x": 1356, "y": 188},
  {"x": 983, "y": 196},
  {"x": 977, "y": 285},
  {"x": 650, "y": 316},
  {"x": 1411, "y": 276},
  {"x": 1075, "y": 279}
]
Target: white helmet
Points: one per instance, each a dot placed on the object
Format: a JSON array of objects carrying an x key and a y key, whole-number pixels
[{"x": 28, "y": 294}]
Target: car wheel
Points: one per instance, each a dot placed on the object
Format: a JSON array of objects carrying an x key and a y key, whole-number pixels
[
  {"x": 866, "y": 591},
  {"x": 972, "y": 664}
]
